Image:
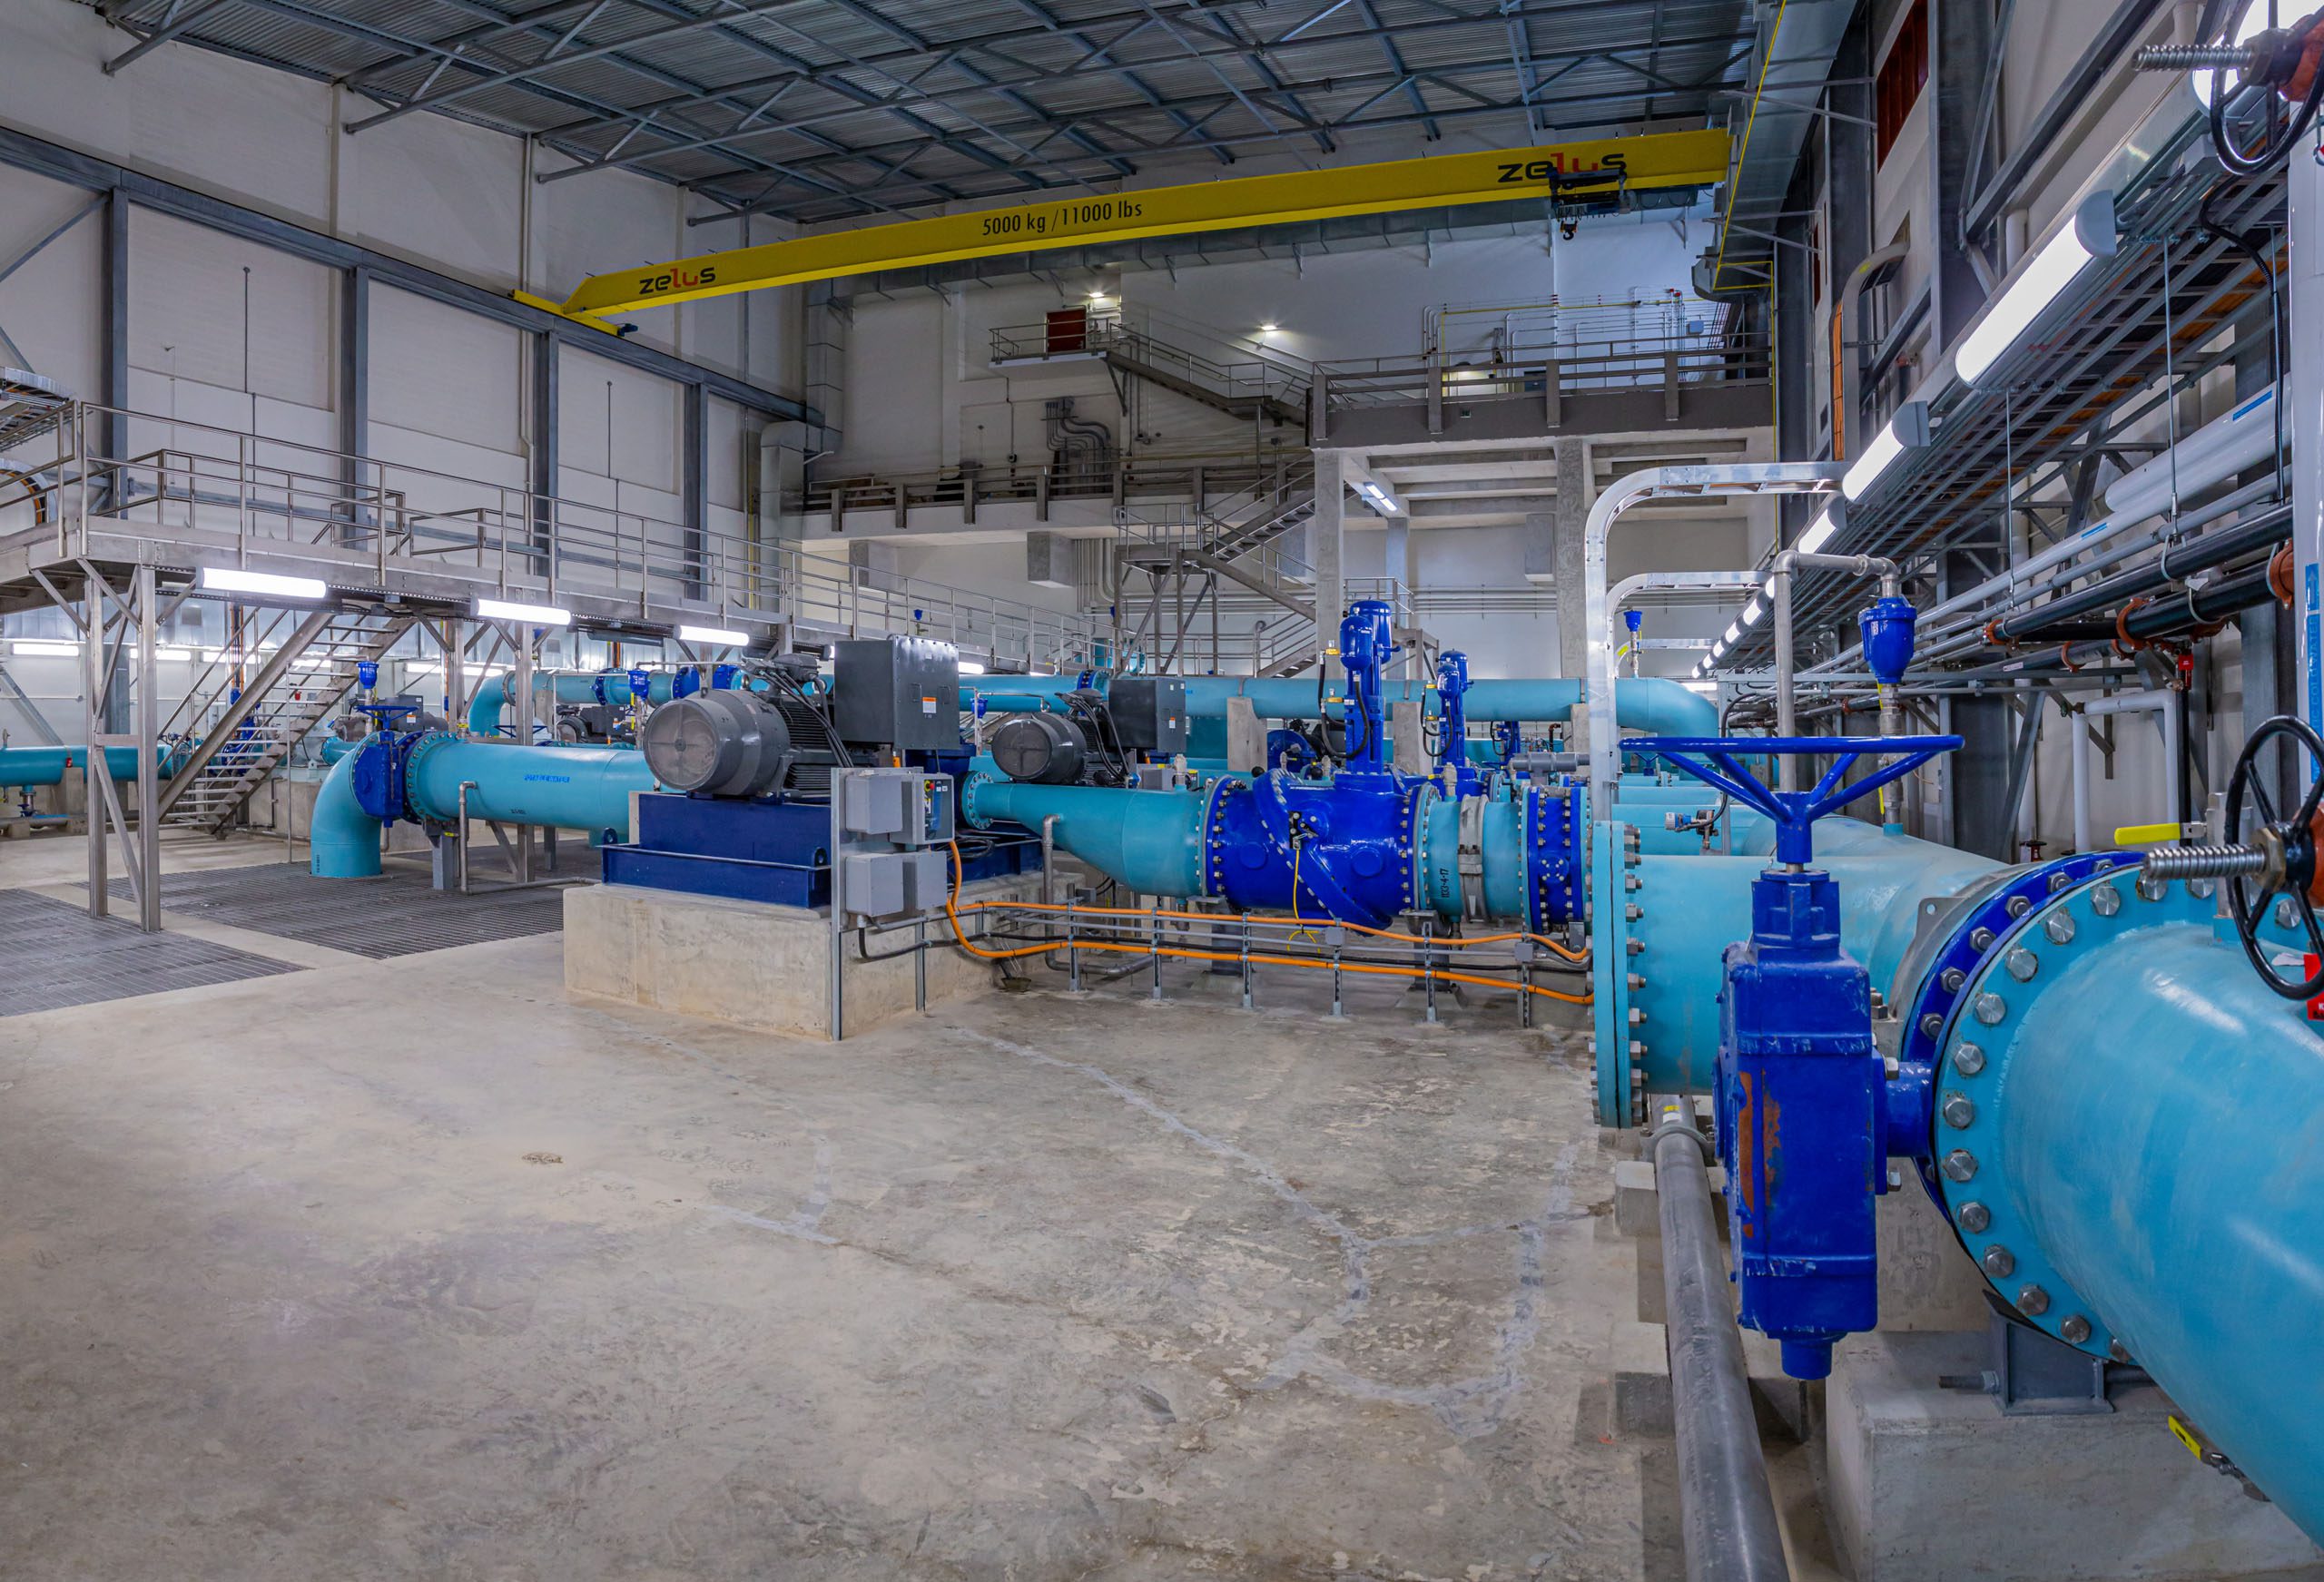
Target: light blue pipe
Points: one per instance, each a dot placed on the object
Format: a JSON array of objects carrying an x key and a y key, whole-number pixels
[
  {"x": 1692, "y": 908},
  {"x": 20, "y": 766},
  {"x": 2162, "y": 1130},
  {"x": 1641, "y": 703},
  {"x": 573, "y": 686},
  {"x": 571, "y": 788},
  {"x": 1148, "y": 841}
]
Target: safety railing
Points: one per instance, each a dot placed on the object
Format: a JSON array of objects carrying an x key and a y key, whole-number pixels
[
  {"x": 231, "y": 495},
  {"x": 890, "y": 495}
]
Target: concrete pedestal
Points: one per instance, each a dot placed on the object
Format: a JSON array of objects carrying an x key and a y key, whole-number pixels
[
  {"x": 753, "y": 964},
  {"x": 1924, "y": 1484}
]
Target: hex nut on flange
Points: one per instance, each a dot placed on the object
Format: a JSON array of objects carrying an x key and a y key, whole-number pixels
[
  {"x": 1960, "y": 1111},
  {"x": 1975, "y": 1217},
  {"x": 2075, "y": 1330},
  {"x": 2032, "y": 1301},
  {"x": 1959, "y": 1165},
  {"x": 1968, "y": 1060},
  {"x": 1999, "y": 1262}
]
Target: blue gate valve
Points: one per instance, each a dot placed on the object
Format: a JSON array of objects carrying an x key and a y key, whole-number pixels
[{"x": 1803, "y": 1097}]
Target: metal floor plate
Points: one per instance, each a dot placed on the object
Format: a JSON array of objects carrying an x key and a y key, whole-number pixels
[
  {"x": 396, "y": 914},
  {"x": 59, "y": 955}
]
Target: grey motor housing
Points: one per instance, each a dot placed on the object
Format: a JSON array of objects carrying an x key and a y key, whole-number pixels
[
  {"x": 1039, "y": 749},
  {"x": 725, "y": 743}
]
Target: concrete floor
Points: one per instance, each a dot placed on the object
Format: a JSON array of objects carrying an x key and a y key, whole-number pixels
[{"x": 419, "y": 1268}]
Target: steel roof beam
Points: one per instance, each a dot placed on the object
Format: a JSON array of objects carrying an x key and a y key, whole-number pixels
[{"x": 1483, "y": 103}]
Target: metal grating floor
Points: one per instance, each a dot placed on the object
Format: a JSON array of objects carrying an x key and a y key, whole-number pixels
[
  {"x": 396, "y": 914},
  {"x": 59, "y": 955}
]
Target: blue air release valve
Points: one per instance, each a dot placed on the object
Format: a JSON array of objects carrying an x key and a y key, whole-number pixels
[
  {"x": 367, "y": 673},
  {"x": 1803, "y": 1095},
  {"x": 641, "y": 684},
  {"x": 1888, "y": 627}
]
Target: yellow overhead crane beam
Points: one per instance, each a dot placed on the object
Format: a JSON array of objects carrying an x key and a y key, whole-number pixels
[{"x": 1575, "y": 172}]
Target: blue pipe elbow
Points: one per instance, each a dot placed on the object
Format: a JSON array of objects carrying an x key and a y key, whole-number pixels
[{"x": 344, "y": 839}]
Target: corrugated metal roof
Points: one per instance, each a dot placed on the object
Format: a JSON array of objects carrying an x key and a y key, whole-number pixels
[{"x": 820, "y": 110}]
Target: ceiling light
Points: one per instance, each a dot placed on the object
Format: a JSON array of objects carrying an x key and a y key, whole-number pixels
[
  {"x": 2038, "y": 282},
  {"x": 1734, "y": 635},
  {"x": 30, "y": 650},
  {"x": 1820, "y": 531},
  {"x": 720, "y": 635},
  {"x": 970, "y": 667},
  {"x": 1908, "y": 429},
  {"x": 174, "y": 655},
  {"x": 1380, "y": 499},
  {"x": 228, "y": 579},
  {"x": 1754, "y": 609},
  {"x": 533, "y": 615},
  {"x": 1266, "y": 330}
]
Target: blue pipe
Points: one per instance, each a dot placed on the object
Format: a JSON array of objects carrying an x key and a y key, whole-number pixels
[
  {"x": 571, "y": 788},
  {"x": 1692, "y": 908},
  {"x": 2160, "y": 1138},
  {"x": 1641, "y": 703},
  {"x": 1148, "y": 841},
  {"x": 610, "y": 687},
  {"x": 20, "y": 766}
]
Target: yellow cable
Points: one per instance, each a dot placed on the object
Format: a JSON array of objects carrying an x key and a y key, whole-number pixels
[{"x": 1726, "y": 221}]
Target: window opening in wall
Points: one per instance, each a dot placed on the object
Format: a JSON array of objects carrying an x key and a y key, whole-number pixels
[{"x": 1903, "y": 72}]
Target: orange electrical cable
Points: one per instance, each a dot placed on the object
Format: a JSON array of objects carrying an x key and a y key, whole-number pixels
[{"x": 952, "y": 913}]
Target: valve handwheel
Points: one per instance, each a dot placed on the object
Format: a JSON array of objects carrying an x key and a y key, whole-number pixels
[
  {"x": 2286, "y": 849},
  {"x": 1715, "y": 762}
]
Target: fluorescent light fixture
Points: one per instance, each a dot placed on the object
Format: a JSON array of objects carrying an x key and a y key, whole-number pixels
[
  {"x": 423, "y": 666},
  {"x": 1734, "y": 635},
  {"x": 721, "y": 636},
  {"x": 174, "y": 655},
  {"x": 970, "y": 667},
  {"x": 1466, "y": 374},
  {"x": 228, "y": 579},
  {"x": 2038, "y": 282},
  {"x": 1380, "y": 499},
  {"x": 1754, "y": 609},
  {"x": 1266, "y": 330},
  {"x": 1706, "y": 688},
  {"x": 1097, "y": 298},
  {"x": 36, "y": 649},
  {"x": 1908, "y": 429},
  {"x": 1820, "y": 531},
  {"x": 531, "y": 615}
]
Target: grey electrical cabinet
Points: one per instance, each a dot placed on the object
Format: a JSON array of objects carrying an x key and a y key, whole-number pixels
[{"x": 899, "y": 692}]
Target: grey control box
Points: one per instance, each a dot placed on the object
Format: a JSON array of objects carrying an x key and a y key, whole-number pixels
[
  {"x": 894, "y": 884},
  {"x": 903, "y": 692},
  {"x": 1149, "y": 713},
  {"x": 910, "y": 807}
]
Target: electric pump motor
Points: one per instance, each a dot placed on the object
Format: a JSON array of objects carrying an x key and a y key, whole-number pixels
[
  {"x": 730, "y": 743},
  {"x": 1041, "y": 749}
]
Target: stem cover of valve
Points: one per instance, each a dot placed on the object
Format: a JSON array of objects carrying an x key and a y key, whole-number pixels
[
  {"x": 1887, "y": 626},
  {"x": 1692, "y": 908}
]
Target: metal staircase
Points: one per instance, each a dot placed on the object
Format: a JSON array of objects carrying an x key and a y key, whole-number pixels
[
  {"x": 225, "y": 740},
  {"x": 1238, "y": 378}
]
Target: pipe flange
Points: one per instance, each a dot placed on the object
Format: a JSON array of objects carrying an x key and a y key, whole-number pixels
[
  {"x": 1976, "y": 936},
  {"x": 1968, "y": 1124},
  {"x": 1610, "y": 974},
  {"x": 420, "y": 747},
  {"x": 1214, "y": 856}
]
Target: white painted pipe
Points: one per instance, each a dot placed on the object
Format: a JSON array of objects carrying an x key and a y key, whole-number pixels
[
  {"x": 2164, "y": 704},
  {"x": 2219, "y": 450}
]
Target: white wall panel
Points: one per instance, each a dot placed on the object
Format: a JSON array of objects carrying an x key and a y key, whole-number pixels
[
  {"x": 209, "y": 307},
  {"x": 49, "y": 307},
  {"x": 438, "y": 191},
  {"x": 619, "y": 421},
  {"x": 437, "y": 370}
]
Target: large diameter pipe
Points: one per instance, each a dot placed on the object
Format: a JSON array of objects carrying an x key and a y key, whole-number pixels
[
  {"x": 2163, "y": 1137},
  {"x": 1150, "y": 842},
  {"x": 1692, "y": 908},
  {"x": 1726, "y": 1509},
  {"x": 571, "y": 788},
  {"x": 1650, "y": 703},
  {"x": 22, "y": 766},
  {"x": 2244, "y": 438}
]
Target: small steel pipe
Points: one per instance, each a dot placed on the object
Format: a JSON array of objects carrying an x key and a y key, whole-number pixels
[{"x": 1726, "y": 1509}]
